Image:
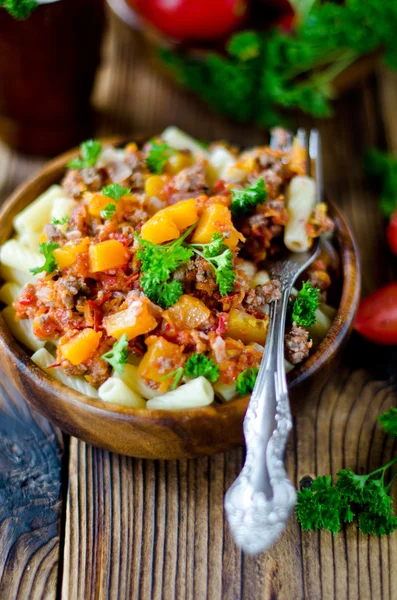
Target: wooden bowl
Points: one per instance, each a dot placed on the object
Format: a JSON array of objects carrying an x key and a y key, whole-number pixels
[{"x": 156, "y": 433}]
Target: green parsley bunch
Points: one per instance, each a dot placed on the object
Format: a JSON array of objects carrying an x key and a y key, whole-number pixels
[
  {"x": 220, "y": 257},
  {"x": 246, "y": 199},
  {"x": 197, "y": 365},
  {"x": 305, "y": 305}
]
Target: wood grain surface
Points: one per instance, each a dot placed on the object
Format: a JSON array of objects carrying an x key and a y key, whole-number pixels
[{"x": 152, "y": 529}]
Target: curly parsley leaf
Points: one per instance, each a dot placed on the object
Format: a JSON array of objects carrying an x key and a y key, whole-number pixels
[
  {"x": 199, "y": 365},
  {"x": 118, "y": 355},
  {"x": 62, "y": 221},
  {"x": 246, "y": 381},
  {"x": 177, "y": 376},
  {"x": 158, "y": 154},
  {"x": 90, "y": 151},
  {"x": 364, "y": 497},
  {"x": 382, "y": 168},
  {"x": 245, "y": 200},
  {"x": 159, "y": 262},
  {"x": 115, "y": 191},
  {"x": 305, "y": 305},
  {"x": 220, "y": 257},
  {"x": 108, "y": 211},
  {"x": 19, "y": 9},
  {"x": 388, "y": 420},
  {"x": 50, "y": 264}
]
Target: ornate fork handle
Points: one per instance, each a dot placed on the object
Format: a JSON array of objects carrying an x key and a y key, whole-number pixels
[{"x": 259, "y": 502}]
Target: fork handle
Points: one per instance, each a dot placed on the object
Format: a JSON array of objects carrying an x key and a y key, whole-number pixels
[{"x": 259, "y": 502}]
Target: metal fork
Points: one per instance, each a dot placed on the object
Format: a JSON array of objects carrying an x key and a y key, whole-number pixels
[{"x": 260, "y": 501}]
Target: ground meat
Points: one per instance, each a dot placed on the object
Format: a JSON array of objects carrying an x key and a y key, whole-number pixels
[
  {"x": 297, "y": 344},
  {"x": 52, "y": 233},
  {"x": 262, "y": 294},
  {"x": 93, "y": 178},
  {"x": 191, "y": 179},
  {"x": 67, "y": 288},
  {"x": 79, "y": 220},
  {"x": 73, "y": 183},
  {"x": 70, "y": 369}
]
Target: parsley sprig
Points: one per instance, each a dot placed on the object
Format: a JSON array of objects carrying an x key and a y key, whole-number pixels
[
  {"x": 158, "y": 264},
  {"x": 118, "y": 355},
  {"x": 197, "y": 365},
  {"x": 115, "y": 191},
  {"x": 19, "y": 9},
  {"x": 245, "y": 200},
  {"x": 220, "y": 257},
  {"x": 90, "y": 151},
  {"x": 246, "y": 381},
  {"x": 158, "y": 154},
  {"x": 388, "y": 420},
  {"x": 61, "y": 221},
  {"x": 305, "y": 305},
  {"x": 50, "y": 264}
]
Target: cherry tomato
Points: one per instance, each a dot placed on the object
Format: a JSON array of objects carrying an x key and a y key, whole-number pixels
[
  {"x": 377, "y": 316},
  {"x": 391, "y": 233},
  {"x": 193, "y": 19}
]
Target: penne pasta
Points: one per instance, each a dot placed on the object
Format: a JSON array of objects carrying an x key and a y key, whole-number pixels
[
  {"x": 260, "y": 278},
  {"x": 220, "y": 160},
  {"x": 30, "y": 239},
  {"x": 301, "y": 200},
  {"x": 43, "y": 359},
  {"x": 225, "y": 391},
  {"x": 135, "y": 382},
  {"x": 320, "y": 327},
  {"x": 197, "y": 392},
  {"x": 9, "y": 292},
  {"x": 22, "y": 330},
  {"x": 15, "y": 255},
  {"x": 179, "y": 140},
  {"x": 61, "y": 208},
  {"x": 37, "y": 214},
  {"x": 116, "y": 391},
  {"x": 9, "y": 274}
]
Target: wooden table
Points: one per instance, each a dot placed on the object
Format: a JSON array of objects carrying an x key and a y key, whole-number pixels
[{"x": 80, "y": 523}]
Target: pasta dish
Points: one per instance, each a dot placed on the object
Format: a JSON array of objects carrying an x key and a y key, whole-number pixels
[{"x": 141, "y": 279}]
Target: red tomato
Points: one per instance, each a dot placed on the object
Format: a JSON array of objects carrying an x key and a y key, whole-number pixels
[
  {"x": 391, "y": 233},
  {"x": 193, "y": 19},
  {"x": 377, "y": 316}
]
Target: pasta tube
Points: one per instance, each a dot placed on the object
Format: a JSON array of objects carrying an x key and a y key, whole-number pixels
[
  {"x": 116, "y": 391},
  {"x": 197, "y": 392},
  {"x": 22, "y": 330},
  {"x": 38, "y": 213},
  {"x": 301, "y": 200}
]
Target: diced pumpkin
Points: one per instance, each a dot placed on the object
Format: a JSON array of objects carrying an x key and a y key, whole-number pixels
[
  {"x": 182, "y": 214},
  {"x": 81, "y": 346},
  {"x": 298, "y": 158},
  {"x": 160, "y": 228},
  {"x": 177, "y": 162},
  {"x": 133, "y": 321},
  {"x": 97, "y": 203},
  {"x": 187, "y": 313},
  {"x": 155, "y": 184},
  {"x": 131, "y": 147},
  {"x": 107, "y": 255},
  {"x": 162, "y": 357},
  {"x": 247, "y": 328},
  {"x": 216, "y": 218},
  {"x": 67, "y": 255},
  {"x": 43, "y": 238}
]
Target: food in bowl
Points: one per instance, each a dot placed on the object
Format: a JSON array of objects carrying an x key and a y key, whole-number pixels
[{"x": 154, "y": 291}]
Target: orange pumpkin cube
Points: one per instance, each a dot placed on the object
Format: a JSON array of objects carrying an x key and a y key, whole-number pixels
[
  {"x": 187, "y": 313},
  {"x": 67, "y": 255},
  {"x": 81, "y": 346},
  {"x": 160, "y": 228},
  {"x": 162, "y": 357},
  {"x": 177, "y": 162},
  {"x": 182, "y": 214},
  {"x": 155, "y": 184},
  {"x": 216, "y": 218},
  {"x": 247, "y": 328},
  {"x": 97, "y": 203},
  {"x": 133, "y": 321},
  {"x": 107, "y": 255}
]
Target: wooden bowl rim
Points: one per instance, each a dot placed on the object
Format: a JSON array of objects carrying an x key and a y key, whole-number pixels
[{"x": 329, "y": 346}]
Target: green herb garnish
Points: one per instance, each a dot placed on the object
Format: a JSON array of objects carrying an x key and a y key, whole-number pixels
[
  {"x": 19, "y": 9},
  {"x": 115, "y": 191},
  {"x": 197, "y": 365},
  {"x": 61, "y": 221},
  {"x": 246, "y": 381},
  {"x": 305, "y": 305},
  {"x": 108, "y": 211},
  {"x": 90, "y": 151},
  {"x": 159, "y": 153},
  {"x": 158, "y": 264},
  {"x": 388, "y": 420},
  {"x": 118, "y": 355},
  {"x": 245, "y": 200},
  {"x": 220, "y": 257},
  {"x": 50, "y": 264}
]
